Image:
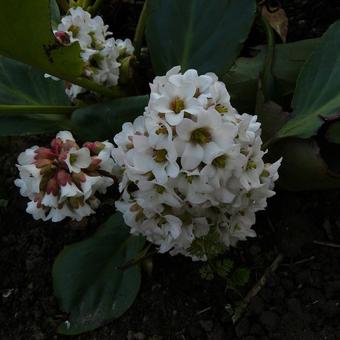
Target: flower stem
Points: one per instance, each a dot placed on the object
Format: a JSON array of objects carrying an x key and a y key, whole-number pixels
[
  {"x": 93, "y": 9},
  {"x": 139, "y": 258},
  {"x": 40, "y": 109},
  {"x": 139, "y": 34},
  {"x": 91, "y": 85}
]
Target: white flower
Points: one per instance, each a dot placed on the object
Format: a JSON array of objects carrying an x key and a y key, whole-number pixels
[
  {"x": 125, "y": 47},
  {"x": 37, "y": 212},
  {"x": 196, "y": 140},
  {"x": 173, "y": 98},
  {"x": 78, "y": 159},
  {"x": 192, "y": 167},
  {"x": 74, "y": 90},
  {"x": 65, "y": 136},
  {"x": 27, "y": 157}
]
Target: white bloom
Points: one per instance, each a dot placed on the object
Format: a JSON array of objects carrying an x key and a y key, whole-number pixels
[
  {"x": 37, "y": 212},
  {"x": 78, "y": 159},
  {"x": 65, "y": 136},
  {"x": 125, "y": 47},
  {"x": 74, "y": 90},
  {"x": 27, "y": 157},
  {"x": 192, "y": 167},
  {"x": 100, "y": 53},
  {"x": 63, "y": 180}
]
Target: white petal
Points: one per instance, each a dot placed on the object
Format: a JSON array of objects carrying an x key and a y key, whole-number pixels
[{"x": 192, "y": 156}]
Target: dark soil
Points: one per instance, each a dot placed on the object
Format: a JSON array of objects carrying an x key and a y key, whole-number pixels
[{"x": 301, "y": 300}]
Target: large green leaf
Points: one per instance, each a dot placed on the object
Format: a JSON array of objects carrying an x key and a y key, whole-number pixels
[
  {"x": 103, "y": 120},
  {"x": 242, "y": 79},
  {"x": 87, "y": 279},
  {"x": 29, "y": 124},
  {"x": 205, "y": 35},
  {"x": 21, "y": 84},
  {"x": 317, "y": 90},
  {"x": 26, "y": 35}
]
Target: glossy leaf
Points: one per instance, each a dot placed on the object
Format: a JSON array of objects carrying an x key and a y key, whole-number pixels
[
  {"x": 205, "y": 35},
  {"x": 103, "y": 120},
  {"x": 242, "y": 79},
  {"x": 26, "y": 35},
  {"x": 55, "y": 13},
  {"x": 21, "y": 84},
  {"x": 88, "y": 282},
  {"x": 317, "y": 90}
]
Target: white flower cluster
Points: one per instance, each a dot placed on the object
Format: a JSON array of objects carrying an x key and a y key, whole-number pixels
[
  {"x": 100, "y": 52},
  {"x": 192, "y": 165},
  {"x": 63, "y": 180}
]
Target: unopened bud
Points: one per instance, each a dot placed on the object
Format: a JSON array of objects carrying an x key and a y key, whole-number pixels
[{"x": 62, "y": 37}]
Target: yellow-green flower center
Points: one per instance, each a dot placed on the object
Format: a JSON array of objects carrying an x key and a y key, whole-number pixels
[
  {"x": 160, "y": 155},
  {"x": 251, "y": 165},
  {"x": 177, "y": 105},
  {"x": 73, "y": 158},
  {"x": 200, "y": 136},
  {"x": 220, "y": 161},
  {"x": 162, "y": 131},
  {"x": 221, "y": 108}
]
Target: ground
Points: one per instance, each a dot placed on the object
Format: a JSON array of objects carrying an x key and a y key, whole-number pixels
[{"x": 301, "y": 299}]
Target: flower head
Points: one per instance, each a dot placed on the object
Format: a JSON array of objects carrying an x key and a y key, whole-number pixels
[
  {"x": 102, "y": 54},
  {"x": 192, "y": 166},
  {"x": 63, "y": 180}
]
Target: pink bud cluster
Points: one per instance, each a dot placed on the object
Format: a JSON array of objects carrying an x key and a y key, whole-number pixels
[{"x": 63, "y": 180}]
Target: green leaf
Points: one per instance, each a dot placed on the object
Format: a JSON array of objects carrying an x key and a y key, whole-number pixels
[
  {"x": 87, "y": 281},
  {"x": 29, "y": 124},
  {"x": 205, "y": 35},
  {"x": 26, "y": 35},
  {"x": 317, "y": 90},
  {"x": 21, "y": 84},
  {"x": 102, "y": 121},
  {"x": 242, "y": 79},
  {"x": 55, "y": 14}
]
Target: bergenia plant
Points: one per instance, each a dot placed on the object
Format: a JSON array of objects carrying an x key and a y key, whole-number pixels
[{"x": 191, "y": 168}]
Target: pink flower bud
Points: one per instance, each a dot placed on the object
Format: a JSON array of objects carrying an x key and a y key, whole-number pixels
[
  {"x": 56, "y": 145},
  {"x": 41, "y": 163},
  {"x": 63, "y": 178},
  {"x": 42, "y": 153},
  {"x": 94, "y": 147},
  {"x": 62, "y": 37},
  {"x": 52, "y": 186}
]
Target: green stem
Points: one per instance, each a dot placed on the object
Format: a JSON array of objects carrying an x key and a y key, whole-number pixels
[
  {"x": 140, "y": 258},
  {"x": 86, "y": 4},
  {"x": 267, "y": 73},
  {"x": 40, "y": 109},
  {"x": 95, "y": 7},
  {"x": 91, "y": 85},
  {"x": 64, "y": 5},
  {"x": 139, "y": 34}
]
